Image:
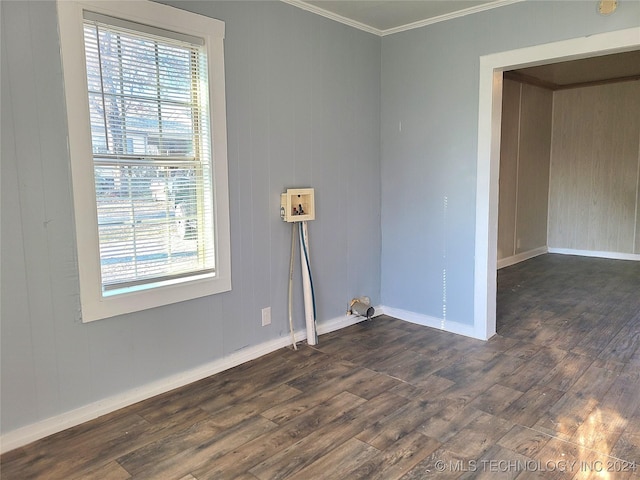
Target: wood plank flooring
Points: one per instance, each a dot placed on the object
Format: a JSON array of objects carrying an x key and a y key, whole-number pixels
[{"x": 556, "y": 394}]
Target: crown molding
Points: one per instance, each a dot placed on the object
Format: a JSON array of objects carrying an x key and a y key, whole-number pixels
[
  {"x": 333, "y": 16},
  {"x": 402, "y": 28},
  {"x": 449, "y": 16}
]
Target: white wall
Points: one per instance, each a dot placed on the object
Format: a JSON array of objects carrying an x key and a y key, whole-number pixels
[{"x": 303, "y": 99}]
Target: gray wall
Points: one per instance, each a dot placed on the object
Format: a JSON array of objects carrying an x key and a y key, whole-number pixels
[
  {"x": 430, "y": 86},
  {"x": 303, "y": 98},
  {"x": 304, "y": 108}
]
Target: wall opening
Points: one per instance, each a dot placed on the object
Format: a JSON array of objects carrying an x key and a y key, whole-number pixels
[{"x": 488, "y": 161}]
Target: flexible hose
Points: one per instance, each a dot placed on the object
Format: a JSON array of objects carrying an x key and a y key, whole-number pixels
[
  {"x": 303, "y": 241},
  {"x": 293, "y": 249}
]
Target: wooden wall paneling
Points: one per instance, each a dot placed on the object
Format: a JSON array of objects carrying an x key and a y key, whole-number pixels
[
  {"x": 601, "y": 197},
  {"x": 637, "y": 238},
  {"x": 614, "y": 181},
  {"x": 582, "y": 143},
  {"x": 562, "y": 184},
  {"x": 571, "y": 167},
  {"x": 627, "y": 183},
  {"x": 625, "y": 186},
  {"x": 533, "y": 168},
  {"x": 508, "y": 168},
  {"x": 594, "y": 168}
]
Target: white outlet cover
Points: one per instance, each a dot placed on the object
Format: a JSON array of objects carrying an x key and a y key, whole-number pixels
[{"x": 266, "y": 316}]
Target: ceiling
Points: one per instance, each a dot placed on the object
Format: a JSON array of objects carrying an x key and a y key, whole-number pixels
[
  {"x": 604, "y": 68},
  {"x": 383, "y": 17}
]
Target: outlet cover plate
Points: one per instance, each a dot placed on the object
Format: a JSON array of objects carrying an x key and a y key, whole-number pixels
[{"x": 266, "y": 316}]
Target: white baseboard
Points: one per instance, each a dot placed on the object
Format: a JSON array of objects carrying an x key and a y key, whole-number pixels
[
  {"x": 433, "y": 322},
  {"x": 43, "y": 428},
  {"x": 521, "y": 257},
  {"x": 594, "y": 253},
  {"x": 342, "y": 322}
]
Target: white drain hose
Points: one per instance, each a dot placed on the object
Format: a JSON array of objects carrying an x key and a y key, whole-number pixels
[
  {"x": 293, "y": 250},
  {"x": 307, "y": 286}
]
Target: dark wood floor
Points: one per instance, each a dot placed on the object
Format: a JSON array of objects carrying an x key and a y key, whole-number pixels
[{"x": 556, "y": 394}]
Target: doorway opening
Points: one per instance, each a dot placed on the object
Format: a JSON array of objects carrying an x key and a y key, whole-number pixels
[{"x": 488, "y": 163}]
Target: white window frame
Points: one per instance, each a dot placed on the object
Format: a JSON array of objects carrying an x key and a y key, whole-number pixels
[{"x": 94, "y": 304}]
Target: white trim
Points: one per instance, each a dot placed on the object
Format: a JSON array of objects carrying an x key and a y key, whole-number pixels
[
  {"x": 332, "y": 16},
  {"x": 35, "y": 431},
  {"x": 489, "y": 118},
  {"x": 433, "y": 322},
  {"x": 521, "y": 257},
  {"x": 448, "y": 16},
  {"x": 635, "y": 223},
  {"x": 95, "y": 305},
  {"x": 343, "y": 322},
  {"x": 402, "y": 28},
  {"x": 596, "y": 253},
  {"x": 487, "y": 199}
]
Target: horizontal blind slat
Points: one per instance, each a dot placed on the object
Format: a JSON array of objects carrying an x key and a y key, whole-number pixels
[{"x": 152, "y": 163}]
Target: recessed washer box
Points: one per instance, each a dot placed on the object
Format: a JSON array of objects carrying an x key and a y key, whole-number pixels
[{"x": 297, "y": 205}]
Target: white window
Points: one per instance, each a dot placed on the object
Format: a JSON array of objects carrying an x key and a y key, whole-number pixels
[{"x": 145, "y": 98}]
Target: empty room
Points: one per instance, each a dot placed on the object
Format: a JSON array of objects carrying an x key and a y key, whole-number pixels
[{"x": 309, "y": 239}]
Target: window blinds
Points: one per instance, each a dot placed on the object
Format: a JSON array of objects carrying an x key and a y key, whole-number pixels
[{"x": 151, "y": 153}]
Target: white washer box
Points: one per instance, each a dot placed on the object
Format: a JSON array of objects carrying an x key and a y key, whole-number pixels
[{"x": 292, "y": 201}]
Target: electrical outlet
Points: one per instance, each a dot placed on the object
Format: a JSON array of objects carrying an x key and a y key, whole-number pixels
[{"x": 266, "y": 316}]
